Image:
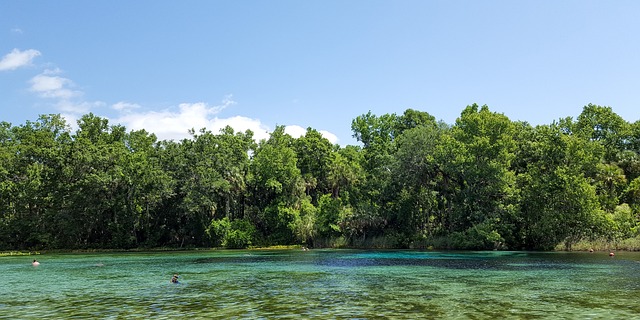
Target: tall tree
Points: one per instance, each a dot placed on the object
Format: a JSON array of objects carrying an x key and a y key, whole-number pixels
[
  {"x": 558, "y": 203},
  {"x": 313, "y": 152},
  {"x": 276, "y": 187},
  {"x": 601, "y": 124},
  {"x": 486, "y": 196},
  {"x": 417, "y": 178}
]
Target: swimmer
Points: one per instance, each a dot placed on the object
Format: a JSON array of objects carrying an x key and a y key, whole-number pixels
[
  {"x": 35, "y": 263},
  {"x": 174, "y": 279}
]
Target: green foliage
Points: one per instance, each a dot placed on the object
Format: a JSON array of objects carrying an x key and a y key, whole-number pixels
[
  {"x": 304, "y": 224},
  {"x": 558, "y": 203},
  {"x": 610, "y": 182},
  {"x": 484, "y": 182},
  {"x": 632, "y": 194},
  {"x": 236, "y": 234},
  {"x": 329, "y": 214},
  {"x": 275, "y": 176},
  {"x": 479, "y": 237},
  {"x": 218, "y": 230},
  {"x": 602, "y": 125},
  {"x": 623, "y": 223},
  {"x": 485, "y": 190},
  {"x": 314, "y": 156}
]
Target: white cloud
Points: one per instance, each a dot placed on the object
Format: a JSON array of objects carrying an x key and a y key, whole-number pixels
[
  {"x": 52, "y": 71},
  {"x": 16, "y": 59},
  {"x": 226, "y": 102},
  {"x": 16, "y": 31},
  {"x": 240, "y": 123},
  {"x": 77, "y": 107},
  {"x": 66, "y": 100},
  {"x": 48, "y": 85},
  {"x": 295, "y": 131},
  {"x": 329, "y": 136},
  {"x": 298, "y": 131},
  {"x": 172, "y": 125},
  {"x": 175, "y": 124},
  {"x": 125, "y": 106},
  {"x": 72, "y": 120}
]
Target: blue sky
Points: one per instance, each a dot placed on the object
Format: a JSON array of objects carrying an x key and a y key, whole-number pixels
[{"x": 168, "y": 66}]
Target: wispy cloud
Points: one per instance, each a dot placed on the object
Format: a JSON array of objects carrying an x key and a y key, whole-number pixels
[
  {"x": 16, "y": 31},
  {"x": 167, "y": 124},
  {"x": 77, "y": 108},
  {"x": 62, "y": 93},
  {"x": 124, "y": 106},
  {"x": 16, "y": 59},
  {"x": 226, "y": 102}
]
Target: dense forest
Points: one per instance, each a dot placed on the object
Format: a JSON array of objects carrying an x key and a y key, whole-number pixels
[{"x": 484, "y": 182}]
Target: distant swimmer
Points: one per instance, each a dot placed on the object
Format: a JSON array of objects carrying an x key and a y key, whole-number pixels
[
  {"x": 35, "y": 263},
  {"x": 174, "y": 279}
]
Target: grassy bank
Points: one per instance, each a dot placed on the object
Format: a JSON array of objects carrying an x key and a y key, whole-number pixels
[
  {"x": 17, "y": 253},
  {"x": 631, "y": 244},
  {"x": 443, "y": 243}
]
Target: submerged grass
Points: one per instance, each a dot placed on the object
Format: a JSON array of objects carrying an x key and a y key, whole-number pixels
[{"x": 322, "y": 284}]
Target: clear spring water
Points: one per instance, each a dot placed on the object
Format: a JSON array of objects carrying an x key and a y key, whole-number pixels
[{"x": 336, "y": 284}]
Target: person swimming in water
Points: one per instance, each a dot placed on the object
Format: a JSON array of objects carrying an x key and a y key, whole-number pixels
[
  {"x": 174, "y": 279},
  {"x": 35, "y": 263}
]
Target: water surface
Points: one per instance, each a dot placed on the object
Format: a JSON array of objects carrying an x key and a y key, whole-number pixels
[{"x": 342, "y": 284}]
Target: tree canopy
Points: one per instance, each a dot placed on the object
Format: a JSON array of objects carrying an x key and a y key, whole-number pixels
[{"x": 483, "y": 182}]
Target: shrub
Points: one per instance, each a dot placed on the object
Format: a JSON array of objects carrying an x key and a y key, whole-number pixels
[{"x": 236, "y": 234}]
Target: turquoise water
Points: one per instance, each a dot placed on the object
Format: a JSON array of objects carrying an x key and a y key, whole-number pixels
[{"x": 337, "y": 284}]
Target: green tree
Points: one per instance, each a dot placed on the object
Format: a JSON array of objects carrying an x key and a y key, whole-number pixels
[
  {"x": 276, "y": 187},
  {"x": 32, "y": 162},
  {"x": 485, "y": 149},
  {"x": 210, "y": 174},
  {"x": 417, "y": 180},
  {"x": 313, "y": 152},
  {"x": 610, "y": 183},
  {"x": 558, "y": 202},
  {"x": 601, "y": 124},
  {"x": 147, "y": 184}
]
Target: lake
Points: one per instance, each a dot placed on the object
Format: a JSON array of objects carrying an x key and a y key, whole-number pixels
[{"x": 342, "y": 284}]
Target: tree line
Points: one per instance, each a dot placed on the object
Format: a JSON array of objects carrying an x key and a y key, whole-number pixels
[{"x": 484, "y": 182}]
